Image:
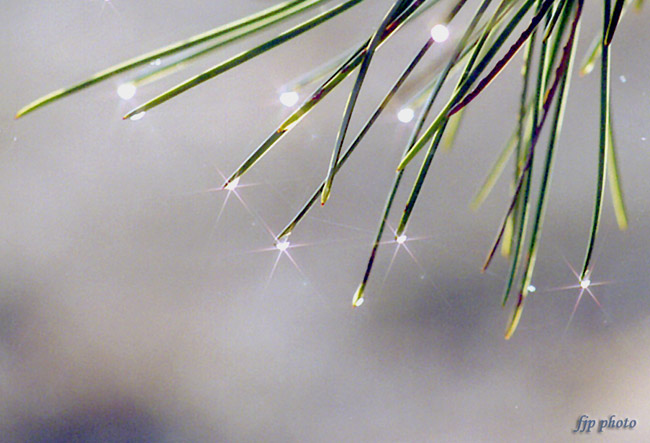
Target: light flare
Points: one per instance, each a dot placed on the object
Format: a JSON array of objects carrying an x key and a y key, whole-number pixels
[
  {"x": 231, "y": 186},
  {"x": 282, "y": 245}
]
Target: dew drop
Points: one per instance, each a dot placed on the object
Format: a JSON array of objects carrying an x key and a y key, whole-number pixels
[
  {"x": 289, "y": 98},
  {"x": 283, "y": 245},
  {"x": 126, "y": 91},
  {"x": 439, "y": 33},
  {"x": 231, "y": 186},
  {"x": 405, "y": 115}
]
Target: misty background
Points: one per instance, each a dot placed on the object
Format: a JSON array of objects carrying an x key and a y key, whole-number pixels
[{"x": 138, "y": 302}]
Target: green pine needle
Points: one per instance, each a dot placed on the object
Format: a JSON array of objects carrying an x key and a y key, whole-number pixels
[
  {"x": 508, "y": 27},
  {"x": 158, "y": 53}
]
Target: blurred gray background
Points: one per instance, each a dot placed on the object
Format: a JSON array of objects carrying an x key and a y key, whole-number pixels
[{"x": 131, "y": 311}]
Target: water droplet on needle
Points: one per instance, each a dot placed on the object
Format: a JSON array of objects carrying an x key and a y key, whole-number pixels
[
  {"x": 283, "y": 245},
  {"x": 439, "y": 33},
  {"x": 231, "y": 186}
]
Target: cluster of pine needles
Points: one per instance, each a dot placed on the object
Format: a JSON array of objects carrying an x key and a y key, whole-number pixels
[{"x": 546, "y": 30}]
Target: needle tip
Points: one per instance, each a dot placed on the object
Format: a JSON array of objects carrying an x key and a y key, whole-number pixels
[
  {"x": 325, "y": 195},
  {"x": 358, "y": 299}
]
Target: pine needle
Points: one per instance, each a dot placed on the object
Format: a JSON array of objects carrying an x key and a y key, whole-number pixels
[{"x": 156, "y": 54}]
